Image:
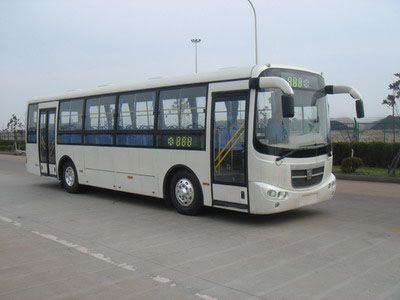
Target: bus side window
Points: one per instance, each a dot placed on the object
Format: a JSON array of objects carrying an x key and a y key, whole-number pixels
[
  {"x": 135, "y": 111},
  {"x": 32, "y": 123},
  {"x": 182, "y": 108},
  {"x": 70, "y": 121},
  {"x": 136, "y": 119},
  {"x": 99, "y": 120}
]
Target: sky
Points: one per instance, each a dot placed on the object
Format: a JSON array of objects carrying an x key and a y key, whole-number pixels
[{"x": 51, "y": 46}]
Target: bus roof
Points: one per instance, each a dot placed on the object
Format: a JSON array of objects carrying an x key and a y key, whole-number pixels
[{"x": 223, "y": 74}]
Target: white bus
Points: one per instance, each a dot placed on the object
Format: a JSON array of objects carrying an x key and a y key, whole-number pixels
[{"x": 253, "y": 139}]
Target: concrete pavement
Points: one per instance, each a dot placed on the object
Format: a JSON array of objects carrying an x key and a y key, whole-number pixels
[{"x": 104, "y": 244}]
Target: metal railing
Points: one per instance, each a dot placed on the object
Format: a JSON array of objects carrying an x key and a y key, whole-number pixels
[
  {"x": 9, "y": 136},
  {"x": 227, "y": 149},
  {"x": 365, "y": 132}
]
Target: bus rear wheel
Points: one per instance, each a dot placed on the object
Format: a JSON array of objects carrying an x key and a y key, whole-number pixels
[
  {"x": 70, "y": 178},
  {"x": 186, "y": 194}
]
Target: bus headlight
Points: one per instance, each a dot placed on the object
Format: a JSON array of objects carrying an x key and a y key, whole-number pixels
[
  {"x": 332, "y": 184},
  {"x": 277, "y": 194},
  {"x": 282, "y": 195}
]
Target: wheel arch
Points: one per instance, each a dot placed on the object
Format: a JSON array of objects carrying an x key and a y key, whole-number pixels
[
  {"x": 170, "y": 173},
  {"x": 61, "y": 163}
]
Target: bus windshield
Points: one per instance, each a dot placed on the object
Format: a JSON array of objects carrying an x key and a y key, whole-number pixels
[{"x": 309, "y": 128}]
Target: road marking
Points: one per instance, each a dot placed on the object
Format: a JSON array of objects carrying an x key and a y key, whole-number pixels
[
  {"x": 160, "y": 279},
  {"x": 10, "y": 221},
  {"x": 99, "y": 256},
  {"x": 77, "y": 247},
  {"x": 85, "y": 250},
  {"x": 205, "y": 297}
]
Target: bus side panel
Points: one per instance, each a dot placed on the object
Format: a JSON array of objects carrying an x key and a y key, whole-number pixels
[
  {"x": 32, "y": 159},
  {"x": 99, "y": 166},
  {"x": 134, "y": 171},
  {"x": 76, "y": 153},
  {"x": 199, "y": 163}
]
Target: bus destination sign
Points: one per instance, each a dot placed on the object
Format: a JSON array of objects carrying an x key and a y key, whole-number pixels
[{"x": 301, "y": 81}]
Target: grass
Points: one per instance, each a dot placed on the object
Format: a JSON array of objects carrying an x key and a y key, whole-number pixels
[{"x": 367, "y": 171}]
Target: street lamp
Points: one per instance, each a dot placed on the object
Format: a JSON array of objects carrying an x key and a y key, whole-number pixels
[
  {"x": 195, "y": 42},
  {"x": 255, "y": 30}
]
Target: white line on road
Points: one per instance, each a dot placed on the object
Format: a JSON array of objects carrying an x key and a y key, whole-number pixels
[
  {"x": 85, "y": 250},
  {"x": 99, "y": 256},
  {"x": 10, "y": 221},
  {"x": 205, "y": 297}
]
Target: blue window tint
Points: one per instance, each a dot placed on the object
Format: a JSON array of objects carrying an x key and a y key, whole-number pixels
[
  {"x": 99, "y": 139},
  {"x": 135, "y": 111},
  {"x": 70, "y": 115},
  {"x": 135, "y": 140},
  {"x": 32, "y": 136},
  {"x": 100, "y": 113},
  {"x": 32, "y": 123},
  {"x": 69, "y": 138},
  {"x": 182, "y": 108}
]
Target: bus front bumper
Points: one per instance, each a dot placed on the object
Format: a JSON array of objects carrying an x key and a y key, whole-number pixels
[{"x": 269, "y": 199}]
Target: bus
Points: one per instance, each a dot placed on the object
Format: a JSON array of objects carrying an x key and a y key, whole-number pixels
[{"x": 251, "y": 139}]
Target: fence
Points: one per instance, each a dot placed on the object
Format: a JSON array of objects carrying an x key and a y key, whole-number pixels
[
  {"x": 365, "y": 132},
  {"x": 9, "y": 136}
]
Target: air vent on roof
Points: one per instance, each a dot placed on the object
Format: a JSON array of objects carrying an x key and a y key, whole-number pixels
[{"x": 153, "y": 78}]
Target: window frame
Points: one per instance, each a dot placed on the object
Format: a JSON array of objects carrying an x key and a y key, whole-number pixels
[
  {"x": 76, "y": 131},
  {"x": 36, "y": 126},
  {"x": 155, "y": 132},
  {"x": 180, "y": 131}
]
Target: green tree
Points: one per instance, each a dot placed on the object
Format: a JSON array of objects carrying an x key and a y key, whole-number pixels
[
  {"x": 13, "y": 126},
  {"x": 392, "y": 100}
]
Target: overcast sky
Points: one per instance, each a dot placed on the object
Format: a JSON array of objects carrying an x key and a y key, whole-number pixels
[{"x": 50, "y": 46}]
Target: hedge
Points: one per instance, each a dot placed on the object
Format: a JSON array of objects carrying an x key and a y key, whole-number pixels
[
  {"x": 376, "y": 154},
  {"x": 9, "y": 145}
]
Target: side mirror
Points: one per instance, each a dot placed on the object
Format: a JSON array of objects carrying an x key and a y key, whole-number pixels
[
  {"x": 287, "y": 106},
  {"x": 344, "y": 89},
  {"x": 360, "y": 109},
  {"x": 271, "y": 82}
]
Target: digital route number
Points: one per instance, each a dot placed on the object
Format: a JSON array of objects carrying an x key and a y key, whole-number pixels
[
  {"x": 298, "y": 82},
  {"x": 195, "y": 141},
  {"x": 302, "y": 81},
  {"x": 180, "y": 141}
]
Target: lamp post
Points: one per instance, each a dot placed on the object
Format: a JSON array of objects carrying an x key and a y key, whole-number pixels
[
  {"x": 255, "y": 31},
  {"x": 195, "y": 42}
]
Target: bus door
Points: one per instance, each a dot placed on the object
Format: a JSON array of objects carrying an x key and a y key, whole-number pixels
[
  {"x": 47, "y": 138},
  {"x": 229, "y": 149}
]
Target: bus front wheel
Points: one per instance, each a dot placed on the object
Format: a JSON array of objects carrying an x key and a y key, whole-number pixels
[
  {"x": 70, "y": 177},
  {"x": 186, "y": 194}
]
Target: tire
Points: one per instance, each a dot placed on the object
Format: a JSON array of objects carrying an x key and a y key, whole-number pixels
[
  {"x": 186, "y": 194},
  {"x": 69, "y": 178}
]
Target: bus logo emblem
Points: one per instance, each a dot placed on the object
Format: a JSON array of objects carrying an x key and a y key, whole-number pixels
[{"x": 309, "y": 174}]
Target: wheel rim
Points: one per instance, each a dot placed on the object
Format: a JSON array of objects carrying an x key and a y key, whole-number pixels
[
  {"x": 184, "y": 192},
  {"x": 69, "y": 176}
]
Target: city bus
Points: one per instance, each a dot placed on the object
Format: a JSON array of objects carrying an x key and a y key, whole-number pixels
[{"x": 250, "y": 139}]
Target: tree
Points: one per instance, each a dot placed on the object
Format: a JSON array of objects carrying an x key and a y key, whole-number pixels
[
  {"x": 13, "y": 126},
  {"x": 392, "y": 99}
]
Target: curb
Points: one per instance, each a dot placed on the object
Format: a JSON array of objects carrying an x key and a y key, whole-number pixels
[{"x": 368, "y": 178}]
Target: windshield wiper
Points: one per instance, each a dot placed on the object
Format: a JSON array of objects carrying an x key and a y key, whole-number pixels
[
  {"x": 286, "y": 155},
  {"x": 295, "y": 150},
  {"x": 313, "y": 145}
]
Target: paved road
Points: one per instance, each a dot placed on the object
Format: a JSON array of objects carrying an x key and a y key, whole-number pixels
[{"x": 108, "y": 245}]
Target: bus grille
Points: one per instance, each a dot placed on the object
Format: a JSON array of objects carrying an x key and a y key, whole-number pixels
[{"x": 309, "y": 177}]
